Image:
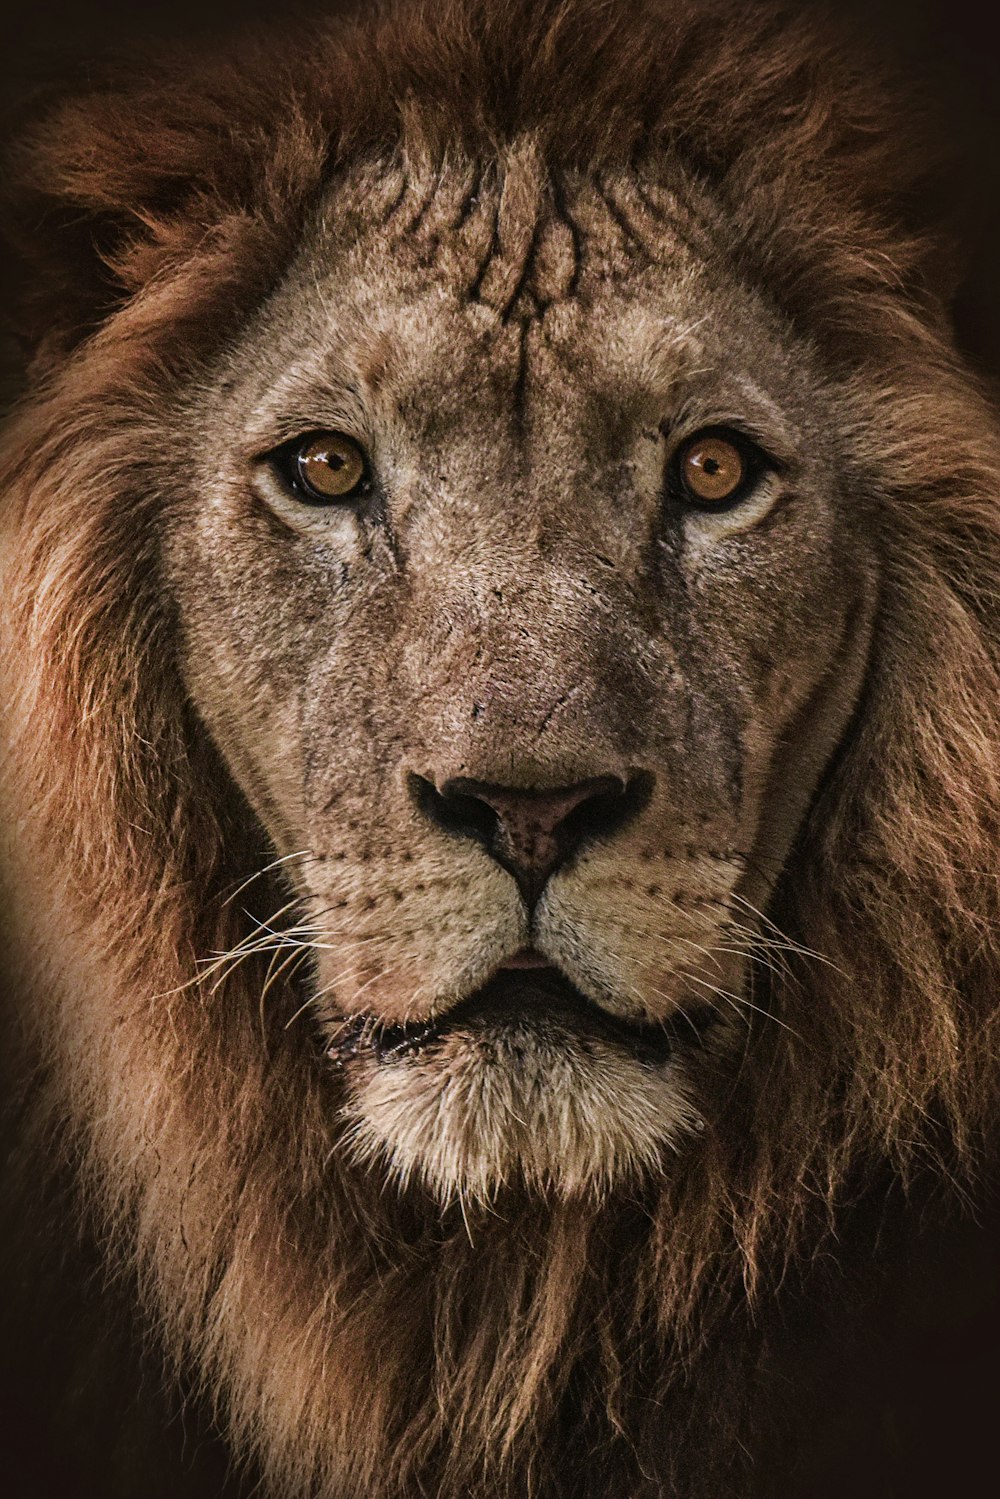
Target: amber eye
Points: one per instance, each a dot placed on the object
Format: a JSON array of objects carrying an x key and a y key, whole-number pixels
[
  {"x": 326, "y": 467},
  {"x": 713, "y": 469}
]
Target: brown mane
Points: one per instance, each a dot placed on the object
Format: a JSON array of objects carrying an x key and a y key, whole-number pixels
[{"x": 153, "y": 212}]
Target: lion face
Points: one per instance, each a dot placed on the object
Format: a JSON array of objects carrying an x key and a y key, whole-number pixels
[{"x": 532, "y": 687}]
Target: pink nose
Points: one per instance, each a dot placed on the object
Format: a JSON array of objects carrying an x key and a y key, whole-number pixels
[{"x": 532, "y": 832}]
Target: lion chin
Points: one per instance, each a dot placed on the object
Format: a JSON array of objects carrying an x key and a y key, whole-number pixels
[{"x": 525, "y": 1083}]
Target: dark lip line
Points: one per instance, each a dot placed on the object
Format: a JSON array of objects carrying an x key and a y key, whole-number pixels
[{"x": 652, "y": 1042}]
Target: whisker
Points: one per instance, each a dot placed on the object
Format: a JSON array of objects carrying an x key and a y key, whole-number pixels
[
  {"x": 788, "y": 942},
  {"x": 305, "y": 853}
]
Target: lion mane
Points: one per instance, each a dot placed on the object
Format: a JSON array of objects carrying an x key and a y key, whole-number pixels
[{"x": 355, "y": 1341}]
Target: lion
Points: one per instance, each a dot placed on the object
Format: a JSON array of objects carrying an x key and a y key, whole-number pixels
[{"x": 501, "y": 581}]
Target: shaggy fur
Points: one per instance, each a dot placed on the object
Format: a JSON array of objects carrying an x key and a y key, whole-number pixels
[{"x": 541, "y": 1346}]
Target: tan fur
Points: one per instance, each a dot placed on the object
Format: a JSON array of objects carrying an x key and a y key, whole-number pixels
[{"x": 379, "y": 228}]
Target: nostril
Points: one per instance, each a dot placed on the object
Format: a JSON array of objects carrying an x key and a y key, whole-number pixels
[
  {"x": 608, "y": 810},
  {"x": 455, "y": 812}
]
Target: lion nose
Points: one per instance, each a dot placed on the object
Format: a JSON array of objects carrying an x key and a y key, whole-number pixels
[{"x": 531, "y": 833}]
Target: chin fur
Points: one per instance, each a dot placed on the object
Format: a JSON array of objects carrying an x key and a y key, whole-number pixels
[{"x": 473, "y": 1113}]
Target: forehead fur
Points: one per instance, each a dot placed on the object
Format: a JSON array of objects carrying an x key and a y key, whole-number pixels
[
  {"x": 452, "y": 288},
  {"x": 815, "y": 164}
]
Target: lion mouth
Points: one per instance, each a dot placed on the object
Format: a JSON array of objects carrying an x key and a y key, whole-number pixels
[{"x": 525, "y": 996}]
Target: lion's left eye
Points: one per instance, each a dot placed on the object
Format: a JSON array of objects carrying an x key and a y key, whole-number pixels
[
  {"x": 324, "y": 468},
  {"x": 715, "y": 469}
]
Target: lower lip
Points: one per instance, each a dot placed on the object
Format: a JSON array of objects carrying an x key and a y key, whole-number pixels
[
  {"x": 501, "y": 1002},
  {"x": 526, "y": 958}
]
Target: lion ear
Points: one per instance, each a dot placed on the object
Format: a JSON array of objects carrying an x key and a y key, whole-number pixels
[
  {"x": 104, "y": 191},
  {"x": 80, "y": 192},
  {"x": 58, "y": 271}
]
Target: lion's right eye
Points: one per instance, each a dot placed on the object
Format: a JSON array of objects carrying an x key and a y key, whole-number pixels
[
  {"x": 716, "y": 469},
  {"x": 324, "y": 468}
]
